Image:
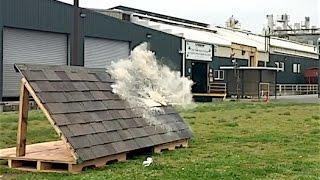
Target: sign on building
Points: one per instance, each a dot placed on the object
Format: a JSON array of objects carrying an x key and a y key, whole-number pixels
[{"x": 198, "y": 51}]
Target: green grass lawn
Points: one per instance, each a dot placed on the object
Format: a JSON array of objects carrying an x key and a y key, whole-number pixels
[{"x": 231, "y": 141}]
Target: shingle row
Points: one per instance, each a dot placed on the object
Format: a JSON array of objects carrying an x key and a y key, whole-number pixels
[
  {"x": 58, "y": 75},
  {"x": 103, "y": 116},
  {"x": 87, "y": 106},
  {"x": 69, "y": 86}
]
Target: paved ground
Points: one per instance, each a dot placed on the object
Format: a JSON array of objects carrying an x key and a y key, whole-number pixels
[{"x": 299, "y": 98}]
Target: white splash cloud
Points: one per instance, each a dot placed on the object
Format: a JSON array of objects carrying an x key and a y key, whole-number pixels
[{"x": 144, "y": 83}]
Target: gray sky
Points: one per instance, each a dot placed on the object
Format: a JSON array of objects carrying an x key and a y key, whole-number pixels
[{"x": 250, "y": 13}]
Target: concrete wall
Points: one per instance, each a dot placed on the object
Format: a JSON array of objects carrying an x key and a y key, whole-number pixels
[{"x": 287, "y": 76}]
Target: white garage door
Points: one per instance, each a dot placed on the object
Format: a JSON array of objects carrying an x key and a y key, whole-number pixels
[
  {"x": 33, "y": 47},
  {"x": 98, "y": 53}
]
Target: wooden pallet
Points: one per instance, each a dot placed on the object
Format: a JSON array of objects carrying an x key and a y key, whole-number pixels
[
  {"x": 170, "y": 146},
  {"x": 56, "y": 157},
  {"x": 97, "y": 163},
  {"x": 52, "y": 157}
]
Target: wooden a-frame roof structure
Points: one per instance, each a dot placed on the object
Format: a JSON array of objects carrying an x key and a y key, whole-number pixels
[{"x": 91, "y": 120}]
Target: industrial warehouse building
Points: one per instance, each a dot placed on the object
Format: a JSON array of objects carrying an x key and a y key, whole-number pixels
[
  {"x": 206, "y": 50},
  {"x": 40, "y": 32}
]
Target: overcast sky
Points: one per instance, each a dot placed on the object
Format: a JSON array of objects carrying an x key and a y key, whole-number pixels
[{"x": 250, "y": 13}]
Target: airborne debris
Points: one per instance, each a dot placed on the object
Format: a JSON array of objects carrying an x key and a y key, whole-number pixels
[{"x": 147, "y": 162}]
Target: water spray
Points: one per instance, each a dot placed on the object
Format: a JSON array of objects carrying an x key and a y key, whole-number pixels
[{"x": 144, "y": 83}]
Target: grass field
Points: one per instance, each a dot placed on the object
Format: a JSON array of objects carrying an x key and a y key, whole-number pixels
[{"x": 231, "y": 141}]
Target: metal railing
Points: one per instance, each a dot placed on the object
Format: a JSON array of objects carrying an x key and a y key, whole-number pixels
[{"x": 297, "y": 89}]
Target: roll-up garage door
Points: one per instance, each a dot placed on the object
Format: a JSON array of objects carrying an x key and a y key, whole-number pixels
[
  {"x": 99, "y": 53},
  {"x": 33, "y": 47}
]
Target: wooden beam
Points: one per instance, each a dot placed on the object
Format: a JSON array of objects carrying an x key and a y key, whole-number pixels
[
  {"x": 48, "y": 116},
  {"x": 23, "y": 117}
]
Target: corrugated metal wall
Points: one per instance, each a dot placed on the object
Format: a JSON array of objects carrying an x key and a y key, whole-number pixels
[
  {"x": 250, "y": 79},
  {"x": 269, "y": 77},
  {"x": 287, "y": 76},
  {"x": 231, "y": 81},
  {"x": 33, "y": 47},
  {"x": 45, "y": 15},
  {"x": 99, "y": 53},
  {"x": 1, "y": 62}
]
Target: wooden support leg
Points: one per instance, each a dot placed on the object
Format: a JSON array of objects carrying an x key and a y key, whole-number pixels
[{"x": 22, "y": 124}]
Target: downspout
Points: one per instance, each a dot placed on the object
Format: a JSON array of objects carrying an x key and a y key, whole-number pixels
[{"x": 183, "y": 52}]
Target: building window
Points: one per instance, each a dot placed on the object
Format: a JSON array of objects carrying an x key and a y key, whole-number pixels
[
  {"x": 296, "y": 68},
  {"x": 218, "y": 75},
  {"x": 280, "y": 66}
]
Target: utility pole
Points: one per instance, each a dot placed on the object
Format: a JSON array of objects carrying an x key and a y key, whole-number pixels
[{"x": 75, "y": 34}]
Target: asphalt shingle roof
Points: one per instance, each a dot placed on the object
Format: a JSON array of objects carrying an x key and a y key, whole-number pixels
[{"x": 94, "y": 120}]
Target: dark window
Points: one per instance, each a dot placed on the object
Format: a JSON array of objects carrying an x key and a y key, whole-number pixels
[{"x": 218, "y": 75}]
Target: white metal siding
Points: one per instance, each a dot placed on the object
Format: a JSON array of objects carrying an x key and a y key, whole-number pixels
[
  {"x": 33, "y": 47},
  {"x": 99, "y": 53}
]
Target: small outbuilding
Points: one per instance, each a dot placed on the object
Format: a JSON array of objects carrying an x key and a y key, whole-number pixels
[{"x": 251, "y": 82}]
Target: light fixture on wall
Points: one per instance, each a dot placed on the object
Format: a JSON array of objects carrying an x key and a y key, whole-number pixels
[
  {"x": 149, "y": 36},
  {"x": 82, "y": 15}
]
